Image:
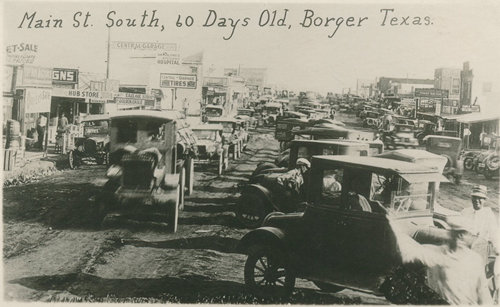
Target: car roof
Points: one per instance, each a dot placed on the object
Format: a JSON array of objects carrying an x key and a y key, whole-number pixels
[
  {"x": 208, "y": 127},
  {"x": 165, "y": 115},
  {"x": 376, "y": 164},
  {"x": 223, "y": 119},
  {"x": 93, "y": 117},
  {"x": 213, "y": 106},
  {"x": 332, "y": 141},
  {"x": 273, "y": 105},
  {"x": 409, "y": 153},
  {"x": 432, "y": 136}
]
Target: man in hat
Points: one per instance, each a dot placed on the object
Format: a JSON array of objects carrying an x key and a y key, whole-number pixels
[{"x": 480, "y": 220}]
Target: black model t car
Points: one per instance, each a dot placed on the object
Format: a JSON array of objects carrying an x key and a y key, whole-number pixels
[
  {"x": 345, "y": 238},
  {"x": 94, "y": 144}
]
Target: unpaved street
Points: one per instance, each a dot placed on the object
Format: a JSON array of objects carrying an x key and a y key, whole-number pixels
[{"x": 56, "y": 250}]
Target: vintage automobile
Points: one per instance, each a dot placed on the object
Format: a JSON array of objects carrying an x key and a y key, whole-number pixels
[
  {"x": 210, "y": 146},
  {"x": 271, "y": 110},
  {"x": 285, "y": 127},
  {"x": 401, "y": 136},
  {"x": 143, "y": 159},
  {"x": 341, "y": 241},
  {"x": 371, "y": 119},
  {"x": 214, "y": 111},
  {"x": 490, "y": 163},
  {"x": 451, "y": 148},
  {"x": 424, "y": 129},
  {"x": 94, "y": 144},
  {"x": 233, "y": 134},
  {"x": 247, "y": 115},
  {"x": 263, "y": 194}
]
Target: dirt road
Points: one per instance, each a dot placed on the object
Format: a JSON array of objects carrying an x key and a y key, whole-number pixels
[{"x": 56, "y": 250}]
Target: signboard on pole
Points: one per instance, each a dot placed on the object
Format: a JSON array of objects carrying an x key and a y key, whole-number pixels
[
  {"x": 23, "y": 53},
  {"x": 134, "y": 96},
  {"x": 37, "y": 100},
  {"x": 184, "y": 81}
]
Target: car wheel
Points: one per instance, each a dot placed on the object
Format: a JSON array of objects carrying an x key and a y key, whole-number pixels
[
  {"x": 468, "y": 164},
  {"x": 251, "y": 210},
  {"x": 267, "y": 272},
  {"x": 488, "y": 174},
  {"x": 328, "y": 287}
]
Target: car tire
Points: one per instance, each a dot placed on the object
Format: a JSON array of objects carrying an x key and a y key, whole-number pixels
[
  {"x": 328, "y": 287},
  {"x": 251, "y": 210},
  {"x": 468, "y": 163},
  {"x": 267, "y": 272},
  {"x": 72, "y": 159}
]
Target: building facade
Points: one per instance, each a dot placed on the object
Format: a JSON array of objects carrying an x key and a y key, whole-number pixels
[
  {"x": 403, "y": 87},
  {"x": 448, "y": 79}
]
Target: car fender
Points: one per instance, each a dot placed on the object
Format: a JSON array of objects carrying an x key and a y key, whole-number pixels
[
  {"x": 263, "y": 192},
  {"x": 271, "y": 236}
]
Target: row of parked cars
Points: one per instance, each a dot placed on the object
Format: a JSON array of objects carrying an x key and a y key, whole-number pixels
[{"x": 151, "y": 156}]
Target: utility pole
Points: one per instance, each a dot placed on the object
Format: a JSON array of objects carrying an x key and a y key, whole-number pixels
[{"x": 107, "y": 57}]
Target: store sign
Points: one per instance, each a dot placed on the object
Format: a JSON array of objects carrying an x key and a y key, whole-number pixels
[
  {"x": 130, "y": 101},
  {"x": 143, "y": 46},
  {"x": 64, "y": 75},
  {"x": 71, "y": 93},
  {"x": 168, "y": 57},
  {"x": 431, "y": 93},
  {"x": 468, "y": 108},
  {"x": 178, "y": 81},
  {"x": 134, "y": 96},
  {"x": 215, "y": 81},
  {"x": 23, "y": 53},
  {"x": 34, "y": 76},
  {"x": 37, "y": 100}
]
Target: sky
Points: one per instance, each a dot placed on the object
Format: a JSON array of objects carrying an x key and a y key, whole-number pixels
[{"x": 297, "y": 57}]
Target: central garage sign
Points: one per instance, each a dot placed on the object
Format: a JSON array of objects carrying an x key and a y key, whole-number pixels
[{"x": 178, "y": 81}]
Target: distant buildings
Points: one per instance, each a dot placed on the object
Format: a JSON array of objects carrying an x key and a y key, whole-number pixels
[
  {"x": 448, "y": 79},
  {"x": 403, "y": 87}
]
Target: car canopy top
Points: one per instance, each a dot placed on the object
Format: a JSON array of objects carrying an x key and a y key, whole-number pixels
[
  {"x": 95, "y": 117},
  {"x": 208, "y": 127},
  {"x": 164, "y": 115}
]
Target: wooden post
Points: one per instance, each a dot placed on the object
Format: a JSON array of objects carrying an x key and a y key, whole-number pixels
[{"x": 46, "y": 140}]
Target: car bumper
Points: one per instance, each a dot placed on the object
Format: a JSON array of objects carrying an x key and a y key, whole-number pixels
[{"x": 147, "y": 197}]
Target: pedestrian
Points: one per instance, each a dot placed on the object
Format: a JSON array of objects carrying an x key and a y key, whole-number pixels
[
  {"x": 466, "y": 138},
  {"x": 481, "y": 221},
  {"x": 482, "y": 138},
  {"x": 41, "y": 123},
  {"x": 454, "y": 271},
  {"x": 62, "y": 123},
  {"x": 293, "y": 180}
]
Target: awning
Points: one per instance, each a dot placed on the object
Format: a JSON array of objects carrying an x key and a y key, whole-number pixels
[
  {"x": 475, "y": 117},
  {"x": 426, "y": 177}
]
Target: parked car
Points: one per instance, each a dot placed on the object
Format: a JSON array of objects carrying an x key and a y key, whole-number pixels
[
  {"x": 271, "y": 110},
  {"x": 401, "y": 136},
  {"x": 247, "y": 115},
  {"x": 371, "y": 119},
  {"x": 337, "y": 242},
  {"x": 491, "y": 163},
  {"x": 143, "y": 159},
  {"x": 264, "y": 195},
  {"x": 187, "y": 150},
  {"x": 232, "y": 135},
  {"x": 210, "y": 146},
  {"x": 94, "y": 144},
  {"x": 424, "y": 129},
  {"x": 451, "y": 148}
]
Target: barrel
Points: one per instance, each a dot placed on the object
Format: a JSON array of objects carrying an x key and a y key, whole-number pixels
[{"x": 13, "y": 134}]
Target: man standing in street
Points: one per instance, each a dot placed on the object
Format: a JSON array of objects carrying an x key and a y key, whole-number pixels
[
  {"x": 481, "y": 221},
  {"x": 467, "y": 134},
  {"x": 63, "y": 123},
  {"x": 41, "y": 123}
]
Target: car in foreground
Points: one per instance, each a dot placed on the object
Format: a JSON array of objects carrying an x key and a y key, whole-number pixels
[{"x": 340, "y": 240}]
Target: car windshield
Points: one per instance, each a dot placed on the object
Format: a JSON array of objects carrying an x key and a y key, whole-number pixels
[
  {"x": 212, "y": 135},
  {"x": 398, "y": 195},
  {"x": 213, "y": 112}
]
